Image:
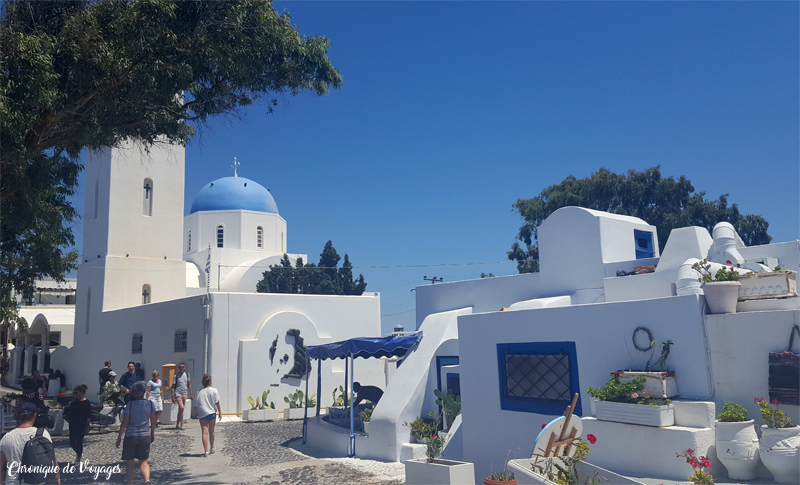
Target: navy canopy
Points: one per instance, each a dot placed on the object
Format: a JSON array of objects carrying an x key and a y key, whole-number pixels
[{"x": 364, "y": 347}]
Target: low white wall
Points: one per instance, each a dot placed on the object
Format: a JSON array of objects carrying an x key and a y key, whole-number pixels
[
  {"x": 410, "y": 393},
  {"x": 602, "y": 335},
  {"x": 483, "y": 295},
  {"x": 740, "y": 344}
]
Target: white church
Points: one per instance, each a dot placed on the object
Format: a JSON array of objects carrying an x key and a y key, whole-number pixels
[{"x": 159, "y": 288}]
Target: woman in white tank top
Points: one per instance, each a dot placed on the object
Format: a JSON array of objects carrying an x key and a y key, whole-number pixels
[{"x": 154, "y": 394}]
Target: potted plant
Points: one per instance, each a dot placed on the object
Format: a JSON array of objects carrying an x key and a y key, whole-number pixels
[
  {"x": 500, "y": 478},
  {"x": 737, "y": 442},
  {"x": 780, "y": 443},
  {"x": 699, "y": 477},
  {"x": 722, "y": 289},
  {"x": 779, "y": 283},
  {"x": 260, "y": 410},
  {"x": 295, "y": 401},
  {"x": 433, "y": 470},
  {"x": 659, "y": 380},
  {"x": 365, "y": 416},
  {"x": 630, "y": 403},
  {"x": 421, "y": 429}
]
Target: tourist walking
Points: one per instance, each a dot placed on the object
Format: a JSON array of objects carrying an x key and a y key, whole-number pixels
[
  {"x": 207, "y": 404},
  {"x": 139, "y": 428},
  {"x": 79, "y": 416},
  {"x": 13, "y": 444},
  {"x": 181, "y": 389},
  {"x": 154, "y": 394},
  {"x": 139, "y": 371}
]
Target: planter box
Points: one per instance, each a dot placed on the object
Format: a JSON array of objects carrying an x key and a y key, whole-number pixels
[
  {"x": 61, "y": 427},
  {"x": 526, "y": 476},
  {"x": 657, "y": 416},
  {"x": 169, "y": 415},
  {"x": 441, "y": 472},
  {"x": 757, "y": 286},
  {"x": 657, "y": 384},
  {"x": 260, "y": 414},
  {"x": 294, "y": 413}
]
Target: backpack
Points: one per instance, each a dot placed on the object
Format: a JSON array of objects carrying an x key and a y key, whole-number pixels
[{"x": 39, "y": 452}]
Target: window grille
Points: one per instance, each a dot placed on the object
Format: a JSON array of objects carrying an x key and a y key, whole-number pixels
[
  {"x": 538, "y": 377},
  {"x": 136, "y": 344},
  {"x": 181, "y": 337},
  {"x": 220, "y": 236},
  {"x": 189, "y": 241},
  {"x": 259, "y": 238}
]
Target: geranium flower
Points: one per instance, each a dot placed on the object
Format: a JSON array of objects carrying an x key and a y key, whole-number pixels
[
  {"x": 592, "y": 438},
  {"x": 634, "y": 395},
  {"x": 729, "y": 262},
  {"x": 544, "y": 426},
  {"x": 706, "y": 463},
  {"x": 775, "y": 402}
]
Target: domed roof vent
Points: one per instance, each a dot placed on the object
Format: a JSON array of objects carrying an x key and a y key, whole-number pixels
[{"x": 234, "y": 193}]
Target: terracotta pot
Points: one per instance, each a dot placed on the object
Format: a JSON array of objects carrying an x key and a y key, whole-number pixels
[{"x": 488, "y": 481}]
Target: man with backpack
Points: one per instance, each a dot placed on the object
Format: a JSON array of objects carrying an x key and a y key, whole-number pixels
[{"x": 27, "y": 448}]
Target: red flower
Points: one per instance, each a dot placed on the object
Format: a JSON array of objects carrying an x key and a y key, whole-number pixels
[
  {"x": 705, "y": 462},
  {"x": 694, "y": 462},
  {"x": 592, "y": 438},
  {"x": 729, "y": 262},
  {"x": 543, "y": 426},
  {"x": 775, "y": 402}
]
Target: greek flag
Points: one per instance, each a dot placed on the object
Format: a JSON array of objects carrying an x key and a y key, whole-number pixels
[{"x": 208, "y": 260}]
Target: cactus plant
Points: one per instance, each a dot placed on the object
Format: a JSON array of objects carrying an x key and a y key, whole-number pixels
[
  {"x": 341, "y": 399},
  {"x": 295, "y": 399},
  {"x": 260, "y": 403},
  {"x": 450, "y": 403}
]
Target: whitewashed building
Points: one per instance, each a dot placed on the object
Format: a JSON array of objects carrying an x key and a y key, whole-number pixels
[
  {"x": 143, "y": 293},
  {"x": 577, "y": 307}
]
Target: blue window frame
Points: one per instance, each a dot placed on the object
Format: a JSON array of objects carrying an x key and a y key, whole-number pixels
[
  {"x": 643, "y": 241},
  {"x": 538, "y": 377}
]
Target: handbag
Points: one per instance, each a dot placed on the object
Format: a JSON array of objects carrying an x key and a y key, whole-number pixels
[{"x": 784, "y": 374}]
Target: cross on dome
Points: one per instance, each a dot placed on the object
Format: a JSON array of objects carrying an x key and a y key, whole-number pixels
[{"x": 235, "y": 164}]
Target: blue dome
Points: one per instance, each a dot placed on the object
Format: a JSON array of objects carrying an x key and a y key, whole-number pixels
[{"x": 234, "y": 193}]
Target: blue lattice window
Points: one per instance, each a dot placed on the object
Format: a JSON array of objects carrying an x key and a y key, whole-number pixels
[{"x": 538, "y": 377}]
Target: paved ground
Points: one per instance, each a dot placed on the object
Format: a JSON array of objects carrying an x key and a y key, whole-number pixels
[{"x": 247, "y": 453}]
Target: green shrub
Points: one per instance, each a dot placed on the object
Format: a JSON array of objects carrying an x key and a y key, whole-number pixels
[{"x": 732, "y": 413}]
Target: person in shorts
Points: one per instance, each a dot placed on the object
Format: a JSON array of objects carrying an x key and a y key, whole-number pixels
[
  {"x": 181, "y": 389},
  {"x": 139, "y": 429},
  {"x": 154, "y": 393},
  {"x": 207, "y": 404}
]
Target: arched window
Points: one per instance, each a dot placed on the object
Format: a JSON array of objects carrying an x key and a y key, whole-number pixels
[
  {"x": 147, "y": 201},
  {"x": 88, "y": 307},
  {"x": 145, "y": 294},
  {"x": 260, "y": 238},
  {"x": 189, "y": 241},
  {"x": 96, "y": 197},
  {"x": 220, "y": 236}
]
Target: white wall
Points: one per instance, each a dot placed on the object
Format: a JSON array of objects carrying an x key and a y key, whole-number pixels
[
  {"x": 602, "y": 335},
  {"x": 257, "y": 318},
  {"x": 739, "y": 345},
  {"x": 112, "y": 340},
  {"x": 483, "y": 295}
]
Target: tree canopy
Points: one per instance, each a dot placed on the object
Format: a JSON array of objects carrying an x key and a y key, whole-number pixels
[
  {"x": 661, "y": 201},
  {"x": 324, "y": 278},
  {"x": 86, "y": 74}
]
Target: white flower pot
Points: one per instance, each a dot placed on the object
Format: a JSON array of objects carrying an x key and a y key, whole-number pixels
[
  {"x": 657, "y": 384},
  {"x": 441, "y": 472},
  {"x": 260, "y": 414},
  {"x": 737, "y": 448},
  {"x": 526, "y": 476},
  {"x": 658, "y": 416},
  {"x": 780, "y": 453},
  {"x": 722, "y": 296},
  {"x": 292, "y": 413}
]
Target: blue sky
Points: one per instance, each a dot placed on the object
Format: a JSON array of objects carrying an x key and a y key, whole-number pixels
[{"x": 450, "y": 111}]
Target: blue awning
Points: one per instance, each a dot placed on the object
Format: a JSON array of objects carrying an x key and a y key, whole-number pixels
[{"x": 364, "y": 347}]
